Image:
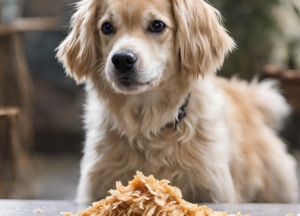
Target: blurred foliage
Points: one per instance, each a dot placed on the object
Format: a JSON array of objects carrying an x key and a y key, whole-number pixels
[
  {"x": 293, "y": 44},
  {"x": 251, "y": 24},
  {"x": 296, "y": 10},
  {"x": 293, "y": 53}
]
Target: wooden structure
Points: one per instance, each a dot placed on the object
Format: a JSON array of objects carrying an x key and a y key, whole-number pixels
[
  {"x": 14, "y": 163},
  {"x": 16, "y": 87},
  {"x": 16, "y": 90},
  {"x": 31, "y": 24},
  {"x": 290, "y": 83}
]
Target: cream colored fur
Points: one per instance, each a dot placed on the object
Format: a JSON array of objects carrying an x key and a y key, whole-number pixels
[{"x": 226, "y": 149}]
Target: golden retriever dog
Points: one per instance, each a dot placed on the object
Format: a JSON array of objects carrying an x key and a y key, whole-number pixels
[{"x": 154, "y": 104}]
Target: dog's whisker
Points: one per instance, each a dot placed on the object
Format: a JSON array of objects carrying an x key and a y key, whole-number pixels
[{"x": 101, "y": 67}]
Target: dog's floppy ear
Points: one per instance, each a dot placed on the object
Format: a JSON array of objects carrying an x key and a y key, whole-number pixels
[
  {"x": 78, "y": 52},
  {"x": 201, "y": 39}
]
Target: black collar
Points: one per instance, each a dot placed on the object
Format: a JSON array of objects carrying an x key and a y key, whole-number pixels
[{"x": 181, "y": 113}]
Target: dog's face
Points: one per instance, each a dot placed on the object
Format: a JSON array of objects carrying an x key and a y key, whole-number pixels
[
  {"x": 137, "y": 39},
  {"x": 138, "y": 45}
]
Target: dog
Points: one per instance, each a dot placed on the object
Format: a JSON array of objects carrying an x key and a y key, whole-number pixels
[{"x": 155, "y": 104}]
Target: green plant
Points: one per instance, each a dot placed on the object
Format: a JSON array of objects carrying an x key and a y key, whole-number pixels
[
  {"x": 296, "y": 10},
  {"x": 251, "y": 24},
  {"x": 292, "y": 53},
  {"x": 293, "y": 43}
]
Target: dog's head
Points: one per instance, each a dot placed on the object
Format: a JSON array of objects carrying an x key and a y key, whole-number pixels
[{"x": 136, "y": 45}]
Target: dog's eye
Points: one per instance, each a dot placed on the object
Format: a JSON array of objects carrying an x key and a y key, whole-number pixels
[
  {"x": 107, "y": 28},
  {"x": 158, "y": 26}
]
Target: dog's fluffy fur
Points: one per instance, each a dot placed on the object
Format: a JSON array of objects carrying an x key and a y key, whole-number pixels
[{"x": 226, "y": 149}]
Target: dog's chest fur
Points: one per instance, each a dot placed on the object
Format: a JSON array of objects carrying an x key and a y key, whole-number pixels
[{"x": 120, "y": 144}]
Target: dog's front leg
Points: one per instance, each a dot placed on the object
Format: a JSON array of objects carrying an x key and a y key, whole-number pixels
[
  {"x": 91, "y": 174},
  {"x": 106, "y": 160}
]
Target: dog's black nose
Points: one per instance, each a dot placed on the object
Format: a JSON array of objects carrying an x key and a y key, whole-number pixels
[{"x": 124, "y": 60}]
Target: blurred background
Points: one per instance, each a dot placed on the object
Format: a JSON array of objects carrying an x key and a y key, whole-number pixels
[{"x": 41, "y": 135}]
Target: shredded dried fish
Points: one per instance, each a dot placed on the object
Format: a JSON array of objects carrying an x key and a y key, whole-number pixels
[{"x": 146, "y": 196}]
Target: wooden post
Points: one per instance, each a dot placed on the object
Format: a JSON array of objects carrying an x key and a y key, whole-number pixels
[
  {"x": 14, "y": 163},
  {"x": 7, "y": 166},
  {"x": 15, "y": 84},
  {"x": 15, "y": 81}
]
